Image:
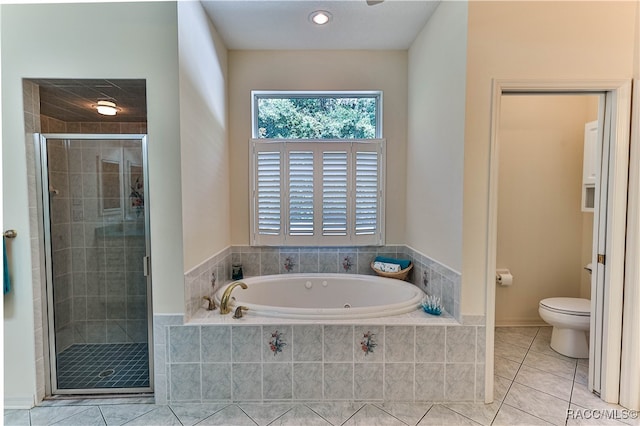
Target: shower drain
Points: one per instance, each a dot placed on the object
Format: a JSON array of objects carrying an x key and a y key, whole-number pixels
[{"x": 106, "y": 373}]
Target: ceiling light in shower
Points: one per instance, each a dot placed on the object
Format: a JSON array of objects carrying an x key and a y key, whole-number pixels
[
  {"x": 106, "y": 108},
  {"x": 320, "y": 17}
]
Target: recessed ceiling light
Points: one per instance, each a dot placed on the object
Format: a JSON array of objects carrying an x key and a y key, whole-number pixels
[
  {"x": 106, "y": 108},
  {"x": 320, "y": 17}
]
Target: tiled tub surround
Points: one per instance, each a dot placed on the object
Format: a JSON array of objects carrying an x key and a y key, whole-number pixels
[
  {"x": 405, "y": 358},
  {"x": 432, "y": 277}
]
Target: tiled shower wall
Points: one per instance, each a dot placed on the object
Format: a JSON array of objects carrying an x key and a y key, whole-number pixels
[
  {"x": 432, "y": 277},
  {"x": 315, "y": 362}
]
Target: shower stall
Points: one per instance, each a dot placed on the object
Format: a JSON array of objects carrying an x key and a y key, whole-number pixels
[{"x": 96, "y": 247}]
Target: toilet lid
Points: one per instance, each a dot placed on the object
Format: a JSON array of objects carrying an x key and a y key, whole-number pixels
[{"x": 568, "y": 305}]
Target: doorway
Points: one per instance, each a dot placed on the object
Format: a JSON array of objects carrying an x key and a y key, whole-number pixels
[
  {"x": 609, "y": 228},
  {"x": 96, "y": 235},
  {"x": 545, "y": 225}
]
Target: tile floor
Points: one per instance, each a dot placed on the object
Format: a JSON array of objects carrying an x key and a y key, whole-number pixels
[{"x": 533, "y": 386}]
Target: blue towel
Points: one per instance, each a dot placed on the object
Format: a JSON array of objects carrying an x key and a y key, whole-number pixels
[
  {"x": 404, "y": 264},
  {"x": 5, "y": 263}
]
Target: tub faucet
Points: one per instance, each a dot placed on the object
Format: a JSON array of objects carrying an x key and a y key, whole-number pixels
[
  {"x": 212, "y": 303},
  {"x": 238, "y": 313},
  {"x": 224, "y": 302}
]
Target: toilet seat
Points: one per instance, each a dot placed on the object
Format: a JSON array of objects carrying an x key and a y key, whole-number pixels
[{"x": 567, "y": 306}]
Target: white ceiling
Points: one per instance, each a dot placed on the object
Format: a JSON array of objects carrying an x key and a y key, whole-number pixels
[{"x": 277, "y": 24}]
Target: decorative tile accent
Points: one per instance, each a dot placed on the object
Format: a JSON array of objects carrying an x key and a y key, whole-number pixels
[
  {"x": 368, "y": 343},
  {"x": 347, "y": 263},
  {"x": 289, "y": 263},
  {"x": 277, "y": 342}
]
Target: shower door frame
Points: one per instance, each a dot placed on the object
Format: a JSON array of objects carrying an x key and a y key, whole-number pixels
[{"x": 42, "y": 184}]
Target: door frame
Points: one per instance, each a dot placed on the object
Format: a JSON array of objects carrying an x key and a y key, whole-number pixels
[
  {"x": 619, "y": 91},
  {"x": 42, "y": 185}
]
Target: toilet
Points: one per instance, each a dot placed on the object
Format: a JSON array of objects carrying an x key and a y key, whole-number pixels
[{"x": 570, "y": 318}]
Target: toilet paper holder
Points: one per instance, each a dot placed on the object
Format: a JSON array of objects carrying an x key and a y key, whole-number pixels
[{"x": 504, "y": 277}]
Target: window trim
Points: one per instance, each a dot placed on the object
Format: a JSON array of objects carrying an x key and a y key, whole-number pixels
[{"x": 278, "y": 94}]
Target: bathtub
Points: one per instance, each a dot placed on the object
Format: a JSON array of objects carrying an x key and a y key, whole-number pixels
[{"x": 325, "y": 296}]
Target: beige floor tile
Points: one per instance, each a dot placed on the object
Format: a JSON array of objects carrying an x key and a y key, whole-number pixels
[
  {"x": 300, "y": 415},
  {"x": 559, "y": 367},
  {"x": 478, "y": 412},
  {"x": 441, "y": 415},
  {"x": 582, "y": 374},
  {"x": 510, "y": 416},
  {"x": 538, "y": 404},
  {"x": 509, "y": 351},
  {"x": 335, "y": 412},
  {"x": 545, "y": 382},
  {"x": 410, "y": 413},
  {"x": 264, "y": 414},
  {"x": 515, "y": 336},
  {"x": 500, "y": 387},
  {"x": 505, "y": 367},
  {"x": 370, "y": 415}
]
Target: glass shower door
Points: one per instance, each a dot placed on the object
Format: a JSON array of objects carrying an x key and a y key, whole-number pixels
[{"x": 96, "y": 248}]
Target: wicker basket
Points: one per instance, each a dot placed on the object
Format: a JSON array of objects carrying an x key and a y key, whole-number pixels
[{"x": 400, "y": 275}]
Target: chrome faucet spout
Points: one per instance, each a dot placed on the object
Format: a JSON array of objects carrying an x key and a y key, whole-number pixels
[{"x": 226, "y": 296}]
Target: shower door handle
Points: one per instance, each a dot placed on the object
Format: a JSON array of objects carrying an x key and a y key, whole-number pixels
[{"x": 146, "y": 265}]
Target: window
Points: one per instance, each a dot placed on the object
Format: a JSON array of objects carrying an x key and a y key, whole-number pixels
[{"x": 317, "y": 169}]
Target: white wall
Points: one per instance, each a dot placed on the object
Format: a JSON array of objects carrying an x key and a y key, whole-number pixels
[
  {"x": 435, "y": 146},
  {"x": 59, "y": 41},
  {"x": 528, "y": 40},
  {"x": 203, "y": 136},
  {"x": 540, "y": 221},
  {"x": 318, "y": 70}
]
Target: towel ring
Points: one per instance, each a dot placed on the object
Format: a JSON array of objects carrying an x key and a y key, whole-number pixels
[{"x": 10, "y": 233}]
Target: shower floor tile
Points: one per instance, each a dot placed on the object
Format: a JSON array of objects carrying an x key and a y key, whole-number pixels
[{"x": 122, "y": 365}]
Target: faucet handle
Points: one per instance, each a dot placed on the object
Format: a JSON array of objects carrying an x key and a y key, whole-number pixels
[
  {"x": 238, "y": 312},
  {"x": 212, "y": 303}
]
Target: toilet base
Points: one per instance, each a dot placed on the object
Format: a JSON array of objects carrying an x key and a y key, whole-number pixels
[{"x": 570, "y": 342}]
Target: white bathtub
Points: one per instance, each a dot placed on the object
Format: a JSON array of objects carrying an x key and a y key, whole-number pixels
[{"x": 325, "y": 296}]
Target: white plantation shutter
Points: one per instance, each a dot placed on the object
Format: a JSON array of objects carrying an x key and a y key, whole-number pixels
[
  {"x": 366, "y": 192},
  {"x": 320, "y": 193},
  {"x": 301, "y": 205},
  {"x": 335, "y": 186},
  {"x": 269, "y": 194}
]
